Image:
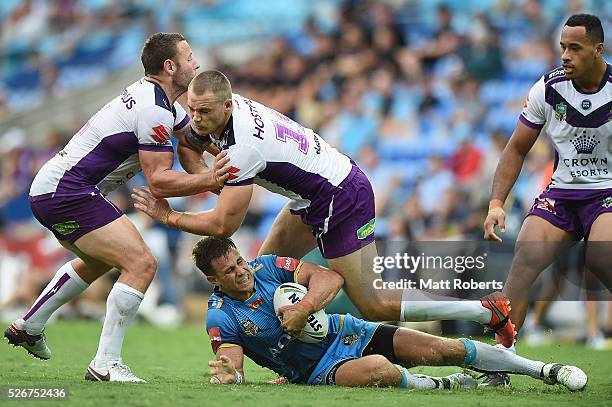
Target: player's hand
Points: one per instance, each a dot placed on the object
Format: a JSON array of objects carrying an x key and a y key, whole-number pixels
[
  {"x": 279, "y": 380},
  {"x": 495, "y": 217},
  {"x": 294, "y": 317},
  {"x": 157, "y": 208},
  {"x": 222, "y": 370},
  {"x": 220, "y": 169}
]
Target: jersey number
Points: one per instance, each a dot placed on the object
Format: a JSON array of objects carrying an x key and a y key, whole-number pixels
[{"x": 283, "y": 132}]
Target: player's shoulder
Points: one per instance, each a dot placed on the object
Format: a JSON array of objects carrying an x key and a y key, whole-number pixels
[
  {"x": 151, "y": 99},
  {"x": 554, "y": 76},
  {"x": 265, "y": 263},
  {"x": 218, "y": 310}
]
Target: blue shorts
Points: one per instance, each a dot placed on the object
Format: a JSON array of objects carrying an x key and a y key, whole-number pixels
[{"x": 353, "y": 337}]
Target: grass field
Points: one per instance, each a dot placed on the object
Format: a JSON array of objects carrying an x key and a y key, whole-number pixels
[{"x": 174, "y": 362}]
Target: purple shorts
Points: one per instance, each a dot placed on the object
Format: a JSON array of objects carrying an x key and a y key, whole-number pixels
[
  {"x": 343, "y": 221},
  {"x": 71, "y": 217},
  {"x": 573, "y": 210}
]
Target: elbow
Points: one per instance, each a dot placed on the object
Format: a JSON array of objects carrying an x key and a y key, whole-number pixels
[
  {"x": 226, "y": 230},
  {"x": 157, "y": 192}
]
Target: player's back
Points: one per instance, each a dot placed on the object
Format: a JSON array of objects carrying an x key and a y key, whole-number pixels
[
  {"x": 273, "y": 151},
  {"x": 103, "y": 154}
]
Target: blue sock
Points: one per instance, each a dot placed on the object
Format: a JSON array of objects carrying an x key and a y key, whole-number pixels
[{"x": 470, "y": 351}]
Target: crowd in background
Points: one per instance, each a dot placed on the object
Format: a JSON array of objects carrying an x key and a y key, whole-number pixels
[{"x": 423, "y": 95}]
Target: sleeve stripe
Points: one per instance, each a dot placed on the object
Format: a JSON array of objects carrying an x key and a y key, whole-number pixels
[
  {"x": 243, "y": 182},
  {"x": 297, "y": 272},
  {"x": 182, "y": 124},
  {"x": 152, "y": 147},
  {"x": 529, "y": 124},
  {"x": 227, "y": 345}
]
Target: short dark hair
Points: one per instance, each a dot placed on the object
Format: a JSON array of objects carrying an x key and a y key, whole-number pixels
[
  {"x": 591, "y": 23},
  {"x": 214, "y": 81},
  {"x": 208, "y": 249},
  {"x": 157, "y": 48}
]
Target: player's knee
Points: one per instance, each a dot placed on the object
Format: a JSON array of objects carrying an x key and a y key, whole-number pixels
[
  {"x": 145, "y": 265},
  {"x": 381, "y": 371}
]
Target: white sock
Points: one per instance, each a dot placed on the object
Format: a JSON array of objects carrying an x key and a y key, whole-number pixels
[
  {"x": 419, "y": 305},
  {"x": 410, "y": 381},
  {"x": 121, "y": 308},
  {"x": 65, "y": 285},
  {"x": 489, "y": 358}
]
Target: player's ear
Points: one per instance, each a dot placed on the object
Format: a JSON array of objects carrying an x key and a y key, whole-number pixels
[
  {"x": 169, "y": 65},
  {"x": 228, "y": 104},
  {"x": 599, "y": 50},
  {"x": 213, "y": 280}
]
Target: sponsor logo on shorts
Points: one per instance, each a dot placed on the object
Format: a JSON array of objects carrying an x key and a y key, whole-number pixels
[
  {"x": 607, "y": 202},
  {"x": 349, "y": 340},
  {"x": 546, "y": 204},
  {"x": 65, "y": 228},
  {"x": 561, "y": 111},
  {"x": 249, "y": 327},
  {"x": 366, "y": 230}
]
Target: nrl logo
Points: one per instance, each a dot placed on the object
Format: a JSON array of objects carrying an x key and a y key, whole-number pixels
[
  {"x": 561, "y": 111},
  {"x": 607, "y": 202}
]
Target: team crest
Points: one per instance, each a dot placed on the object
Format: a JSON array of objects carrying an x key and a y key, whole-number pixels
[
  {"x": 561, "y": 111},
  {"x": 249, "y": 327},
  {"x": 586, "y": 104},
  {"x": 349, "y": 340},
  {"x": 607, "y": 202}
]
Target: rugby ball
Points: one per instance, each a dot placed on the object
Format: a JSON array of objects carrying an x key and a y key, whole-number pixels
[{"x": 317, "y": 323}]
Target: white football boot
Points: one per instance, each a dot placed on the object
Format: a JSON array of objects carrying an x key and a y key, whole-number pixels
[
  {"x": 571, "y": 377},
  {"x": 115, "y": 371}
]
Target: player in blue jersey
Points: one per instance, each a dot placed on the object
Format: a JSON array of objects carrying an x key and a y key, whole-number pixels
[
  {"x": 331, "y": 204},
  {"x": 241, "y": 321},
  {"x": 574, "y": 102},
  {"x": 68, "y": 196}
]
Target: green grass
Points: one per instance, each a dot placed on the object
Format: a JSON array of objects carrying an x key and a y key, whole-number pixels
[{"x": 174, "y": 362}]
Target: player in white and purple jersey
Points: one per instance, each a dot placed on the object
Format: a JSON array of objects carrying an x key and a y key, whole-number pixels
[
  {"x": 68, "y": 196},
  {"x": 332, "y": 204},
  {"x": 573, "y": 104}
]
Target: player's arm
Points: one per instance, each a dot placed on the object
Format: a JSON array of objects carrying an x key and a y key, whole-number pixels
[
  {"x": 165, "y": 182},
  {"x": 508, "y": 170},
  {"x": 223, "y": 220},
  {"x": 190, "y": 149},
  {"x": 323, "y": 285},
  {"x": 228, "y": 367}
]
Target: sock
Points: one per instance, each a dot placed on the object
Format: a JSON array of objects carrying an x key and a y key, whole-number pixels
[
  {"x": 487, "y": 358},
  {"x": 410, "y": 381},
  {"x": 121, "y": 307},
  {"x": 65, "y": 285},
  {"x": 419, "y": 305}
]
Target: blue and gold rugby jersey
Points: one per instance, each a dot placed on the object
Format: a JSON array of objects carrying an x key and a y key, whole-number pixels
[{"x": 253, "y": 324}]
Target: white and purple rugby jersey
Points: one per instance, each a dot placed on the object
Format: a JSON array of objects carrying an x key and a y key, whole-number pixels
[
  {"x": 104, "y": 154},
  {"x": 579, "y": 126},
  {"x": 269, "y": 149}
]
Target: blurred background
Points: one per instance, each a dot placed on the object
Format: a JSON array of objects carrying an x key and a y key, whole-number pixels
[{"x": 422, "y": 94}]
